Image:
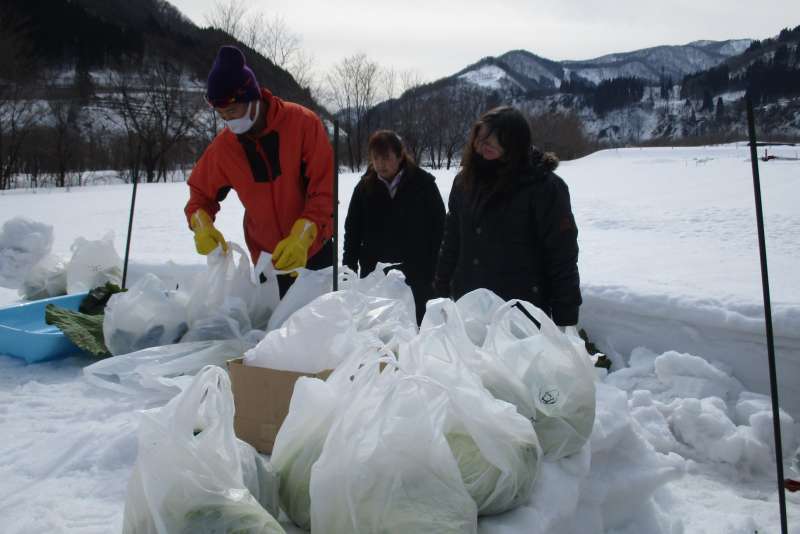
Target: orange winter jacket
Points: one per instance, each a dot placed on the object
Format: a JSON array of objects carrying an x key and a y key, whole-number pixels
[{"x": 280, "y": 175}]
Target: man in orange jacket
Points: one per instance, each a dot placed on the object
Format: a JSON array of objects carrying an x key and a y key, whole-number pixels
[{"x": 277, "y": 157}]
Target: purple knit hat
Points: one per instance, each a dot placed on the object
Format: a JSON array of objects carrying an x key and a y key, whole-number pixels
[{"x": 230, "y": 79}]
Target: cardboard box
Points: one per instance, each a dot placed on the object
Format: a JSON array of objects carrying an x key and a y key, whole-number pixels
[{"x": 262, "y": 400}]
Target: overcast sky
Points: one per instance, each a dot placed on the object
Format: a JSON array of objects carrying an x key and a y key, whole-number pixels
[{"x": 437, "y": 38}]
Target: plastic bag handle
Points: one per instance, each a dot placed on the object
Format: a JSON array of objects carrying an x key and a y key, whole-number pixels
[
  {"x": 211, "y": 387},
  {"x": 527, "y": 314}
]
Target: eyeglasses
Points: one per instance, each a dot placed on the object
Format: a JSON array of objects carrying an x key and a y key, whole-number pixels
[
  {"x": 484, "y": 141},
  {"x": 219, "y": 103}
]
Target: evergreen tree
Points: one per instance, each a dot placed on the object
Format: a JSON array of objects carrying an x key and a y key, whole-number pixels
[
  {"x": 755, "y": 45},
  {"x": 666, "y": 87},
  {"x": 720, "y": 111},
  {"x": 781, "y": 57},
  {"x": 708, "y": 101}
]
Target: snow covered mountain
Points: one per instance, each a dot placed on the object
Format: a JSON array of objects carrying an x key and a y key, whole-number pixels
[
  {"x": 657, "y": 62},
  {"x": 694, "y": 90},
  {"x": 547, "y": 73},
  {"x": 527, "y": 70}
]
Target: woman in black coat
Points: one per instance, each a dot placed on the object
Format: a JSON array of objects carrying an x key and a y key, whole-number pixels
[
  {"x": 396, "y": 215},
  {"x": 510, "y": 226}
]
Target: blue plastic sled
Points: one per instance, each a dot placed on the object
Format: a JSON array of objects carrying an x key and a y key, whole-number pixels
[{"x": 24, "y": 334}]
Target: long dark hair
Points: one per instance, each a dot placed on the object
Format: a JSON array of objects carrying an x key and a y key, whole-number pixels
[
  {"x": 383, "y": 142},
  {"x": 514, "y": 134}
]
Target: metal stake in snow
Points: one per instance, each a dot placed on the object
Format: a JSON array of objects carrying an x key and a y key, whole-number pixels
[
  {"x": 773, "y": 375},
  {"x": 130, "y": 229},
  {"x": 336, "y": 205}
]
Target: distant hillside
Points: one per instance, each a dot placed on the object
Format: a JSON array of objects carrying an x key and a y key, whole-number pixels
[
  {"x": 110, "y": 84},
  {"x": 658, "y": 62},
  {"x": 121, "y": 34},
  {"x": 658, "y": 94},
  {"x": 526, "y": 70}
]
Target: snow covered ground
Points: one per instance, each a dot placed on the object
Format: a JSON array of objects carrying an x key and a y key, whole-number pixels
[{"x": 671, "y": 283}]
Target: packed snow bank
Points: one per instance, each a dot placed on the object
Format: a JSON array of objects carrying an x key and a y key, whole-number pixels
[
  {"x": 687, "y": 405},
  {"x": 669, "y": 256},
  {"x": 619, "y": 322}
]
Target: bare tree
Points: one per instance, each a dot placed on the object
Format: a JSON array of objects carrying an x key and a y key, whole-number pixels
[
  {"x": 409, "y": 120},
  {"x": 156, "y": 114},
  {"x": 353, "y": 86},
  {"x": 466, "y": 105},
  {"x": 281, "y": 45},
  {"x": 303, "y": 70},
  {"x": 65, "y": 136},
  {"x": 17, "y": 107},
  {"x": 270, "y": 37},
  {"x": 228, "y": 16},
  {"x": 560, "y": 132},
  {"x": 389, "y": 87}
]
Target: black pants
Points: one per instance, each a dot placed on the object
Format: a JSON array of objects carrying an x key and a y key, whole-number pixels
[
  {"x": 323, "y": 258},
  {"x": 422, "y": 294}
]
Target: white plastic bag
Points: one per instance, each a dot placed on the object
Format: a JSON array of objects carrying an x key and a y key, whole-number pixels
[
  {"x": 388, "y": 285},
  {"x": 230, "y": 321},
  {"x": 477, "y": 308},
  {"x": 322, "y": 334},
  {"x": 557, "y": 379},
  {"x": 496, "y": 448},
  {"x": 147, "y": 315},
  {"x": 161, "y": 372},
  {"x": 93, "y": 264},
  {"x": 231, "y": 283},
  {"x": 444, "y": 316},
  {"x": 312, "y": 410},
  {"x": 314, "y": 339},
  {"x": 188, "y": 474},
  {"x": 386, "y": 465},
  {"x": 48, "y": 278},
  {"x": 22, "y": 244},
  {"x": 308, "y": 286},
  {"x": 260, "y": 478}
]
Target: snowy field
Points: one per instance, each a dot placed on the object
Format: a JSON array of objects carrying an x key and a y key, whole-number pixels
[{"x": 671, "y": 284}]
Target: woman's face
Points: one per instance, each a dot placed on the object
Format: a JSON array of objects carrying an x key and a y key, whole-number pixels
[
  {"x": 487, "y": 145},
  {"x": 386, "y": 165}
]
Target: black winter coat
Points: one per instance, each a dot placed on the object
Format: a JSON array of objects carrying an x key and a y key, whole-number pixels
[
  {"x": 520, "y": 242},
  {"x": 406, "y": 229}
]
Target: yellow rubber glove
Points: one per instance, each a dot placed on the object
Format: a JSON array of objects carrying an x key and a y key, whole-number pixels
[
  {"x": 292, "y": 251},
  {"x": 206, "y": 236}
]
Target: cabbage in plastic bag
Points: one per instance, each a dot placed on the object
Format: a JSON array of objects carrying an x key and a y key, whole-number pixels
[
  {"x": 481, "y": 477},
  {"x": 295, "y": 476},
  {"x": 231, "y": 518}
]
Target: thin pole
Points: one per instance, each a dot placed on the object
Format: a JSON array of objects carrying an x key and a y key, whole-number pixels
[
  {"x": 130, "y": 230},
  {"x": 335, "y": 205},
  {"x": 773, "y": 375}
]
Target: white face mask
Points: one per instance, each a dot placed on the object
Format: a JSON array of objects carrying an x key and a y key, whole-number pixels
[{"x": 243, "y": 123}]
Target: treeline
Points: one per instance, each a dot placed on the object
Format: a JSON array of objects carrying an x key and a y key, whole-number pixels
[
  {"x": 608, "y": 95},
  {"x": 106, "y": 85},
  {"x": 768, "y": 70},
  {"x": 95, "y": 35},
  {"x": 143, "y": 127}
]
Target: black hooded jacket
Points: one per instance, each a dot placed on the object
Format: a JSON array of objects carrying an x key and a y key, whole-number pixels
[
  {"x": 406, "y": 229},
  {"x": 519, "y": 241}
]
